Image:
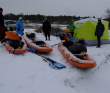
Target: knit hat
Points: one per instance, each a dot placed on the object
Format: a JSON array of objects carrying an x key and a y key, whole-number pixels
[
  {"x": 45, "y": 18},
  {"x": 99, "y": 20},
  {"x": 20, "y": 17}
]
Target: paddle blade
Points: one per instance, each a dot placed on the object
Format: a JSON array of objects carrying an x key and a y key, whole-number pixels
[
  {"x": 56, "y": 64},
  {"x": 52, "y": 66},
  {"x": 59, "y": 65}
]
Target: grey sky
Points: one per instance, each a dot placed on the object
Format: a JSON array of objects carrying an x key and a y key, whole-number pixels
[{"x": 56, "y": 7}]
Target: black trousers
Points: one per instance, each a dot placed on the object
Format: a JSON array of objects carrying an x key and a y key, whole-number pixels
[
  {"x": 47, "y": 34},
  {"x": 72, "y": 33},
  {"x": 98, "y": 41}
]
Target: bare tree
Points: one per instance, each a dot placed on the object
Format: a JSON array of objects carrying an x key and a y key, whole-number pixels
[
  {"x": 107, "y": 13},
  {"x": 108, "y": 16}
]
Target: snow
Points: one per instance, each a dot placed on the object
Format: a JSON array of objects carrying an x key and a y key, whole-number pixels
[
  {"x": 29, "y": 73},
  {"x": 63, "y": 27}
]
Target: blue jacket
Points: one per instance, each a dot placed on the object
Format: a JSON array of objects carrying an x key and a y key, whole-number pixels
[{"x": 19, "y": 27}]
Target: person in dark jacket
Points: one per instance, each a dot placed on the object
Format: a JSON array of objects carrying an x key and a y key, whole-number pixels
[
  {"x": 99, "y": 31},
  {"x": 46, "y": 28},
  {"x": 1, "y": 23}
]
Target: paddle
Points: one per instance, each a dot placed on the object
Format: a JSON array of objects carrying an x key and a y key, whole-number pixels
[
  {"x": 53, "y": 64},
  {"x": 54, "y": 45},
  {"x": 80, "y": 55}
]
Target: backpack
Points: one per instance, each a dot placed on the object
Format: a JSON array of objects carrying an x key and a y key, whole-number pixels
[
  {"x": 31, "y": 35},
  {"x": 12, "y": 35},
  {"x": 67, "y": 43},
  {"x": 82, "y": 41},
  {"x": 15, "y": 44},
  {"x": 65, "y": 36}
]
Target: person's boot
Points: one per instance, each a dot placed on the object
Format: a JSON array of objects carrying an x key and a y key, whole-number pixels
[
  {"x": 49, "y": 39},
  {"x": 98, "y": 47},
  {"x": 46, "y": 39}
]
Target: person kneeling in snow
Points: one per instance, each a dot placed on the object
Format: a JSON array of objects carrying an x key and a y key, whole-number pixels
[{"x": 75, "y": 48}]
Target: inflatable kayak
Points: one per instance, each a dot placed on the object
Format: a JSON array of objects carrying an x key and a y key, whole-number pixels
[
  {"x": 80, "y": 60},
  {"x": 18, "y": 50},
  {"x": 37, "y": 44}
]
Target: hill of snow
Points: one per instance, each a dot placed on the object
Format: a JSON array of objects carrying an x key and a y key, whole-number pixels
[{"x": 29, "y": 73}]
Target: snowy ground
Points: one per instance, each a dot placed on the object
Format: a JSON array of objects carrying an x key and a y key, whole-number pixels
[{"x": 28, "y": 73}]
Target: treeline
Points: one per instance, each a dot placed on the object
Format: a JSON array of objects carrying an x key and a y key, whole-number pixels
[{"x": 39, "y": 18}]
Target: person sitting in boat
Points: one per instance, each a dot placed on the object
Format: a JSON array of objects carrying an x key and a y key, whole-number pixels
[
  {"x": 65, "y": 36},
  {"x": 75, "y": 48}
]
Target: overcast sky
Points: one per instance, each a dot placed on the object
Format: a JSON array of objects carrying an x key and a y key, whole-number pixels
[{"x": 56, "y": 7}]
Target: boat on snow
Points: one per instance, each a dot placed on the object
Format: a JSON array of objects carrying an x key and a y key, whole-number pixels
[
  {"x": 14, "y": 43},
  {"x": 37, "y": 44},
  {"x": 83, "y": 60},
  {"x": 18, "y": 50}
]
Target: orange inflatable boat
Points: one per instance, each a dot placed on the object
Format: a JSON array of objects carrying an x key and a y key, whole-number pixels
[
  {"x": 84, "y": 62},
  {"x": 10, "y": 49},
  {"x": 37, "y": 44}
]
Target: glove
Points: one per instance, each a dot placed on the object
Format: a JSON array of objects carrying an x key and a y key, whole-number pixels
[{"x": 18, "y": 29}]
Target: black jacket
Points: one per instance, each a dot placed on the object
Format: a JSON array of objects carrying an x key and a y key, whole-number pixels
[
  {"x": 1, "y": 20},
  {"x": 99, "y": 29},
  {"x": 46, "y": 26}
]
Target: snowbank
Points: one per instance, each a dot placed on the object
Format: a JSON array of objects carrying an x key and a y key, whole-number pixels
[{"x": 29, "y": 73}]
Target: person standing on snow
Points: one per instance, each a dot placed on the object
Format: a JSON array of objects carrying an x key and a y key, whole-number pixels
[
  {"x": 1, "y": 23},
  {"x": 46, "y": 27},
  {"x": 99, "y": 31},
  {"x": 71, "y": 27},
  {"x": 20, "y": 26}
]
